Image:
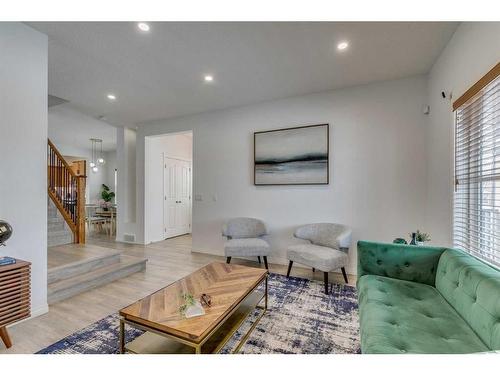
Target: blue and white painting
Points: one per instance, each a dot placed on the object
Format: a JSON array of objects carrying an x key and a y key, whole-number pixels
[{"x": 294, "y": 156}]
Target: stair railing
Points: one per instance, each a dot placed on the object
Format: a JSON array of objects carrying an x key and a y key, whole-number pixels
[{"x": 67, "y": 191}]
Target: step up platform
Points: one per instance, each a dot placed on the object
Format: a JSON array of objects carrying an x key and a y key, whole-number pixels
[{"x": 74, "y": 269}]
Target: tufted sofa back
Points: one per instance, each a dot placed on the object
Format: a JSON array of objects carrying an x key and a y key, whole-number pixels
[
  {"x": 473, "y": 289},
  {"x": 404, "y": 262}
]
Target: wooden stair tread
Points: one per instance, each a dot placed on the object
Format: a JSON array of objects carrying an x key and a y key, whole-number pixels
[
  {"x": 66, "y": 288},
  {"x": 93, "y": 257},
  {"x": 125, "y": 261},
  {"x": 73, "y": 254}
]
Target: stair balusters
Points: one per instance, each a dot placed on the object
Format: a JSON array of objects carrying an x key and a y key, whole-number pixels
[{"x": 67, "y": 191}]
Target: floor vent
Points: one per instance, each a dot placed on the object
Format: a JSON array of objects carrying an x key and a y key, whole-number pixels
[{"x": 129, "y": 237}]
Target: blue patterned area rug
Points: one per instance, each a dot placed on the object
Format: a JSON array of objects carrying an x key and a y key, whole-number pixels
[{"x": 301, "y": 319}]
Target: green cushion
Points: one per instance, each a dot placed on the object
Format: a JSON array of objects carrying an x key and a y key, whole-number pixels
[
  {"x": 399, "y": 316},
  {"x": 473, "y": 289},
  {"x": 404, "y": 262}
]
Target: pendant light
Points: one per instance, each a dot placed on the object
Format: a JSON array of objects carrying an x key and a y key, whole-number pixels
[
  {"x": 101, "y": 160},
  {"x": 93, "y": 163}
]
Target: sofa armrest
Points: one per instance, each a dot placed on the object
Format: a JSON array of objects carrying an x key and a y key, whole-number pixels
[{"x": 404, "y": 262}]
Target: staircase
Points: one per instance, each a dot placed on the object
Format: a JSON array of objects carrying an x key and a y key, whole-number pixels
[
  {"x": 58, "y": 232},
  {"x": 86, "y": 267},
  {"x": 66, "y": 189}
]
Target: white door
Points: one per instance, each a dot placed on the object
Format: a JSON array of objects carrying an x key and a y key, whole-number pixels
[{"x": 177, "y": 203}]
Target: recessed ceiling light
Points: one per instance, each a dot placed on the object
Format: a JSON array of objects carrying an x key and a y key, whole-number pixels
[
  {"x": 111, "y": 96},
  {"x": 342, "y": 46},
  {"x": 143, "y": 26},
  {"x": 208, "y": 78}
]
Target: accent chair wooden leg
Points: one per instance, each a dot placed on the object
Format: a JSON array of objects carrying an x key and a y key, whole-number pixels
[
  {"x": 326, "y": 281},
  {"x": 5, "y": 337},
  {"x": 259, "y": 259},
  {"x": 345, "y": 275},
  {"x": 265, "y": 262},
  {"x": 228, "y": 260},
  {"x": 289, "y": 269}
]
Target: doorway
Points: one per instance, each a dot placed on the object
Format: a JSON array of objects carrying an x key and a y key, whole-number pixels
[
  {"x": 177, "y": 202},
  {"x": 168, "y": 186}
]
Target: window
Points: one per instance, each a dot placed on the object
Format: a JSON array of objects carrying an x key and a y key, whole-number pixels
[{"x": 476, "y": 211}]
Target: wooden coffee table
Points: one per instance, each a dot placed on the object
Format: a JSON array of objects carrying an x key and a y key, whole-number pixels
[{"x": 234, "y": 294}]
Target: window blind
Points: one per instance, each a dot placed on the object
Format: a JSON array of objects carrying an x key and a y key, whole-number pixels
[{"x": 476, "y": 213}]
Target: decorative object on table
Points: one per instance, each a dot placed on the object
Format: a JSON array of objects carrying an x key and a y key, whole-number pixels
[
  {"x": 422, "y": 237},
  {"x": 206, "y": 300},
  {"x": 191, "y": 306},
  {"x": 292, "y": 156},
  {"x": 5, "y": 232},
  {"x": 14, "y": 296},
  {"x": 326, "y": 251},
  {"x": 244, "y": 239},
  {"x": 413, "y": 240},
  {"x": 400, "y": 241},
  {"x": 418, "y": 238},
  {"x": 97, "y": 158},
  {"x": 326, "y": 324},
  {"x": 5, "y": 261},
  {"x": 107, "y": 196}
]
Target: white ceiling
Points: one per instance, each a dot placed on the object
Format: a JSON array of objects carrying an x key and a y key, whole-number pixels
[
  {"x": 160, "y": 74},
  {"x": 70, "y": 130}
]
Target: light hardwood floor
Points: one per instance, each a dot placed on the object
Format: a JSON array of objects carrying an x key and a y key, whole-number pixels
[{"x": 168, "y": 261}]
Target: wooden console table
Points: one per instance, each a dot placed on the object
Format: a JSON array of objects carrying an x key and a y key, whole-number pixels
[{"x": 14, "y": 296}]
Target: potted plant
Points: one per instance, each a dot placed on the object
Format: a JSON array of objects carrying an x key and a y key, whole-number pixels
[
  {"x": 107, "y": 196},
  {"x": 418, "y": 238}
]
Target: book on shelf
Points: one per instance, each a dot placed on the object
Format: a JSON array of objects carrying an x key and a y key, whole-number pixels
[{"x": 5, "y": 261}]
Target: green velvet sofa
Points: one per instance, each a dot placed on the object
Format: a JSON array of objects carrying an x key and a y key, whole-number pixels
[{"x": 419, "y": 299}]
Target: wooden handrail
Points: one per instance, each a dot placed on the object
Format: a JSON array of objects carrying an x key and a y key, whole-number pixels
[
  {"x": 61, "y": 158},
  {"x": 67, "y": 191}
]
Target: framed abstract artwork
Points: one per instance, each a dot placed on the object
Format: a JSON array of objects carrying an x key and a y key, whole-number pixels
[{"x": 292, "y": 156}]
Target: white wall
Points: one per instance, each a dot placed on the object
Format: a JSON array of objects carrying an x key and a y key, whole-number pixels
[
  {"x": 378, "y": 165},
  {"x": 126, "y": 191},
  {"x": 70, "y": 131},
  {"x": 473, "y": 50},
  {"x": 178, "y": 146},
  {"x": 23, "y": 151},
  {"x": 111, "y": 166}
]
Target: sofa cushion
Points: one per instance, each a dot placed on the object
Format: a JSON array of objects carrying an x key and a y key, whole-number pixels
[
  {"x": 246, "y": 247},
  {"x": 472, "y": 288},
  {"x": 399, "y": 316},
  {"x": 322, "y": 258}
]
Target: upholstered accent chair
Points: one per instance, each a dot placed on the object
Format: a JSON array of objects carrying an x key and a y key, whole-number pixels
[
  {"x": 326, "y": 251},
  {"x": 244, "y": 239}
]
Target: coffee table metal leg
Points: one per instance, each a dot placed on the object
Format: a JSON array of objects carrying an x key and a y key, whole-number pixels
[
  {"x": 122, "y": 336},
  {"x": 265, "y": 300}
]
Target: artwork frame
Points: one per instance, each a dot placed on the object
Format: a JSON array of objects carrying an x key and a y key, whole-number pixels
[{"x": 320, "y": 162}]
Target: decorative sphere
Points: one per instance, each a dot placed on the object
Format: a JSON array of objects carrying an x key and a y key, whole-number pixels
[{"x": 5, "y": 231}]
